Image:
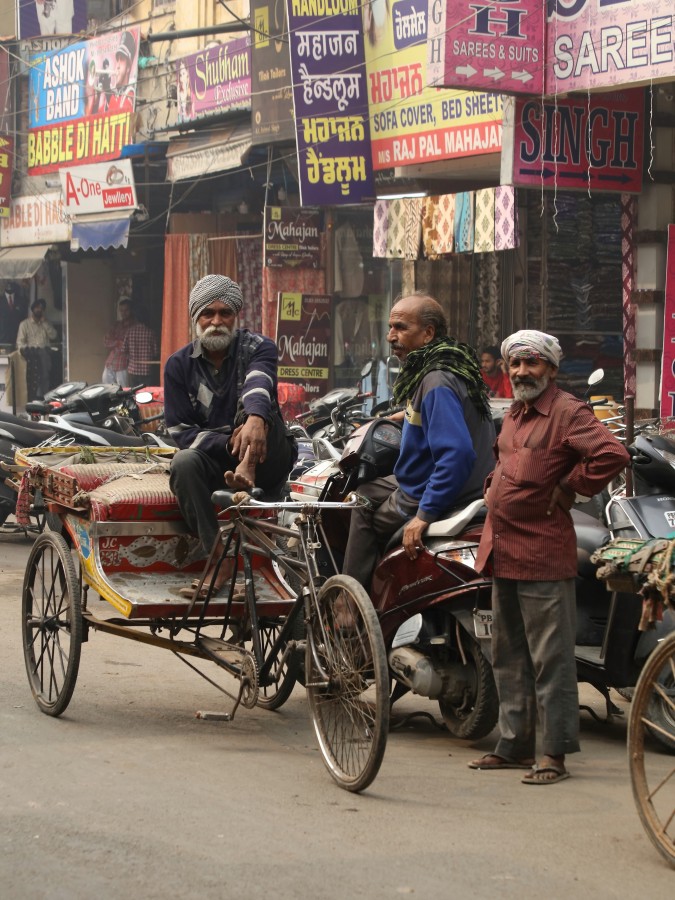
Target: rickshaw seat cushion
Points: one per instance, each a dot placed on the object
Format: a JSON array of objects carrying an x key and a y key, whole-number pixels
[
  {"x": 129, "y": 498},
  {"x": 89, "y": 477}
]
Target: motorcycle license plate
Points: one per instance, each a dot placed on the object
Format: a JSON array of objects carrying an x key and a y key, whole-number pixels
[{"x": 482, "y": 623}]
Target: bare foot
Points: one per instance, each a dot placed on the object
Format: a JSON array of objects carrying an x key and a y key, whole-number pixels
[{"x": 243, "y": 476}]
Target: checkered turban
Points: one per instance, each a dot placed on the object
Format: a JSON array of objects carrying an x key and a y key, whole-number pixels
[
  {"x": 533, "y": 343},
  {"x": 215, "y": 287}
]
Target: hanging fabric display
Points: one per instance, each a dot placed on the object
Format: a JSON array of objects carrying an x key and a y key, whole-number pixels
[
  {"x": 430, "y": 211},
  {"x": 506, "y": 218},
  {"x": 445, "y": 224},
  {"x": 485, "y": 221},
  {"x": 464, "y": 222},
  {"x": 380, "y": 216},
  {"x": 413, "y": 227},
  {"x": 395, "y": 229}
]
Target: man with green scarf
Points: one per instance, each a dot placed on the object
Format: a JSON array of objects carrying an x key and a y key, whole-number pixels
[{"x": 446, "y": 446}]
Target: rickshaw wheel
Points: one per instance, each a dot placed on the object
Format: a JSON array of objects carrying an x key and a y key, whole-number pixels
[
  {"x": 52, "y": 623},
  {"x": 274, "y": 695},
  {"x": 652, "y": 769}
]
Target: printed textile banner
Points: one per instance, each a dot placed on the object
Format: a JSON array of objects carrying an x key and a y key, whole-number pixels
[
  {"x": 668, "y": 370},
  {"x": 215, "y": 80},
  {"x": 81, "y": 100},
  {"x": 330, "y": 102},
  {"x": 411, "y": 123},
  {"x": 303, "y": 339}
]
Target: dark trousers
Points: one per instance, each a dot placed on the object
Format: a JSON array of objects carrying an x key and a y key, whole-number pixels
[
  {"x": 371, "y": 526},
  {"x": 533, "y": 637},
  {"x": 195, "y": 476}
]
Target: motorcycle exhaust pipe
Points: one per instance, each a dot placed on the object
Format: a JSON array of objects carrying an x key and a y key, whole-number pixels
[{"x": 415, "y": 670}]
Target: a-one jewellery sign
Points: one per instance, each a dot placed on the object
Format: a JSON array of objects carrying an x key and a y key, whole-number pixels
[{"x": 104, "y": 187}]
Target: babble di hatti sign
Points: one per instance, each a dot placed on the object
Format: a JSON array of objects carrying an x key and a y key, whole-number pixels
[{"x": 81, "y": 101}]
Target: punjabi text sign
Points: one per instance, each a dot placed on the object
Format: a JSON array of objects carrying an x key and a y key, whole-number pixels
[
  {"x": 411, "y": 123},
  {"x": 330, "y": 102},
  {"x": 489, "y": 47},
  {"x": 580, "y": 142},
  {"x": 303, "y": 340}
]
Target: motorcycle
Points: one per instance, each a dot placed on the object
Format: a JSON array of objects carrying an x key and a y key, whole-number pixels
[{"x": 436, "y": 614}]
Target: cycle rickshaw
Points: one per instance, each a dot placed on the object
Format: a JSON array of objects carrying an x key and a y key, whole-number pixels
[{"x": 115, "y": 530}]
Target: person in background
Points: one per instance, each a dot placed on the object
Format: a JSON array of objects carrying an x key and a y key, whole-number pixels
[
  {"x": 12, "y": 313},
  {"x": 33, "y": 340},
  {"x": 494, "y": 373},
  {"x": 117, "y": 361},
  {"x": 140, "y": 349},
  {"x": 550, "y": 447}
]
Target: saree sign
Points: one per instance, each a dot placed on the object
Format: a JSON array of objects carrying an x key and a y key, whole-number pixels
[
  {"x": 411, "y": 123},
  {"x": 497, "y": 47},
  {"x": 600, "y": 43},
  {"x": 215, "y": 80},
  {"x": 330, "y": 102},
  {"x": 668, "y": 373},
  {"x": 292, "y": 237},
  {"x": 303, "y": 340},
  {"x": 584, "y": 142}
]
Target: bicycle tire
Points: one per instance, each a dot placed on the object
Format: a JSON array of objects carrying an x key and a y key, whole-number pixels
[
  {"x": 652, "y": 770},
  {"x": 52, "y": 623},
  {"x": 347, "y": 682},
  {"x": 274, "y": 695}
]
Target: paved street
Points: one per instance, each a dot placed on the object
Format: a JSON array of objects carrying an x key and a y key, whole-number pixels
[{"x": 130, "y": 795}]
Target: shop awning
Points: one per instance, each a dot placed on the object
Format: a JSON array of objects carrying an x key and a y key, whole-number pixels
[
  {"x": 206, "y": 151},
  {"x": 99, "y": 232},
  {"x": 21, "y": 262}
]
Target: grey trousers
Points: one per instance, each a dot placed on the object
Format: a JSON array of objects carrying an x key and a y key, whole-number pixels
[
  {"x": 372, "y": 526},
  {"x": 533, "y": 637}
]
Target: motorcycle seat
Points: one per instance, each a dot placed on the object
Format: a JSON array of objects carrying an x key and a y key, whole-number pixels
[
  {"x": 27, "y": 434},
  {"x": 591, "y": 534},
  {"x": 452, "y": 525}
]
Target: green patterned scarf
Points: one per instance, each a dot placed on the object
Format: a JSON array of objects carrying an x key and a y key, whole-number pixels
[{"x": 447, "y": 355}]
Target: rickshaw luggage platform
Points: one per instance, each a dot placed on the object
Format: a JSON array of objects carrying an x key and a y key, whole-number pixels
[{"x": 135, "y": 549}]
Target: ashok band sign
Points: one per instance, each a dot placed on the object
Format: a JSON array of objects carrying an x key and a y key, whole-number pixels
[
  {"x": 410, "y": 122},
  {"x": 81, "y": 102},
  {"x": 580, "y": 142},
  {"x": 330, "y": 102}
]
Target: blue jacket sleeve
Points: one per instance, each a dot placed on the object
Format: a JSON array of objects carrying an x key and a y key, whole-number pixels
[{"x": 260, "y": 383}]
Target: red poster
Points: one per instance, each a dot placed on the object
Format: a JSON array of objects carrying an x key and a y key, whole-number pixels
[
  {"x": 6, "y": 166},
  {"x": 668, "y": 370},
  {"x": 303, "y": 339},
  {"x": 581, "y": 141}
]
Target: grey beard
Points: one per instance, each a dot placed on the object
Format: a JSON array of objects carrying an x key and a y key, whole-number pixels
[
  {"x": 216, "y": 343},
  {"x": 527, "y": 392}
]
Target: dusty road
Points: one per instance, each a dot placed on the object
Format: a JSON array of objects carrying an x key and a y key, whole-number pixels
[{"x": 129, "y": 795}]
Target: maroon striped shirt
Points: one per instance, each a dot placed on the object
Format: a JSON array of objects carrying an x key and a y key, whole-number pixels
[{"x": 557, "y": 440}]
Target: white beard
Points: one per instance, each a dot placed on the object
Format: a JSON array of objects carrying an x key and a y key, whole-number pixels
[
  {"x": 528, "y": 392},
  {"x": 216, "y": 340}
]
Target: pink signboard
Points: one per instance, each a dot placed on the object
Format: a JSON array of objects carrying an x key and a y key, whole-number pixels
[
  {"x": 600, "y": 43},
  {"x": 497, "y": 46},
  {"x": 580, "y": 142},
  {"x": 668, "y": 372}
]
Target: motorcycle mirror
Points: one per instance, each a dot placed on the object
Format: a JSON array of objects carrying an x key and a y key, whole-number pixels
[
  {"x": 143, "y": 397},
  {"x": 596, "y": 377},
  {"x": 393, "y": 368},
  {"x": 367, "y": 368}
]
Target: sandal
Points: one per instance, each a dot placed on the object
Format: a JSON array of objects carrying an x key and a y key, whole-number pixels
[
  {"x": 545, "y": 774},
  {"x": 499, "y": 762}
]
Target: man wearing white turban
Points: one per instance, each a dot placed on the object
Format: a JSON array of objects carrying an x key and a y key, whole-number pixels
[
  {"x": 550, "y": 448},
  {"x": 221, "y": 408}
]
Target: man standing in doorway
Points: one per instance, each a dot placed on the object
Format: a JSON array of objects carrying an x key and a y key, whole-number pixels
[
  {"x": 117, "y": 361},
  {"x": 550, "y": 448},
  {"x": 33, "y": 340}
]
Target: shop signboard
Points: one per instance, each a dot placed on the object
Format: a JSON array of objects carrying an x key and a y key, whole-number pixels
[
  {"x": 103, "y": 187},
  {"x": 44, "y": 17},
  {"x": 6, "y": 169},
  {"x": 303, "y": 341},
  {"x": 497, "y": 47},
  {"x": 330, "y": 102},
  {"x": 215, "y": 80},
  {"x": 81, "y": 101},
  {"x": 271, "y": 93},
  {"x": 586, "y": 141},
  {"x": 595, "y": 44},
  {"x": 5, "y": 92},
  {"x": 292, "y": 237},
  {"x": 668, "y": 370},
  {"x": 411, "y": 123},
  {"x": 39, "y": 219}
]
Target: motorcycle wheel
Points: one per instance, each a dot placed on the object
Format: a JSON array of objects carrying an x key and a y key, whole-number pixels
[{"x": 476, "y": 715}]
